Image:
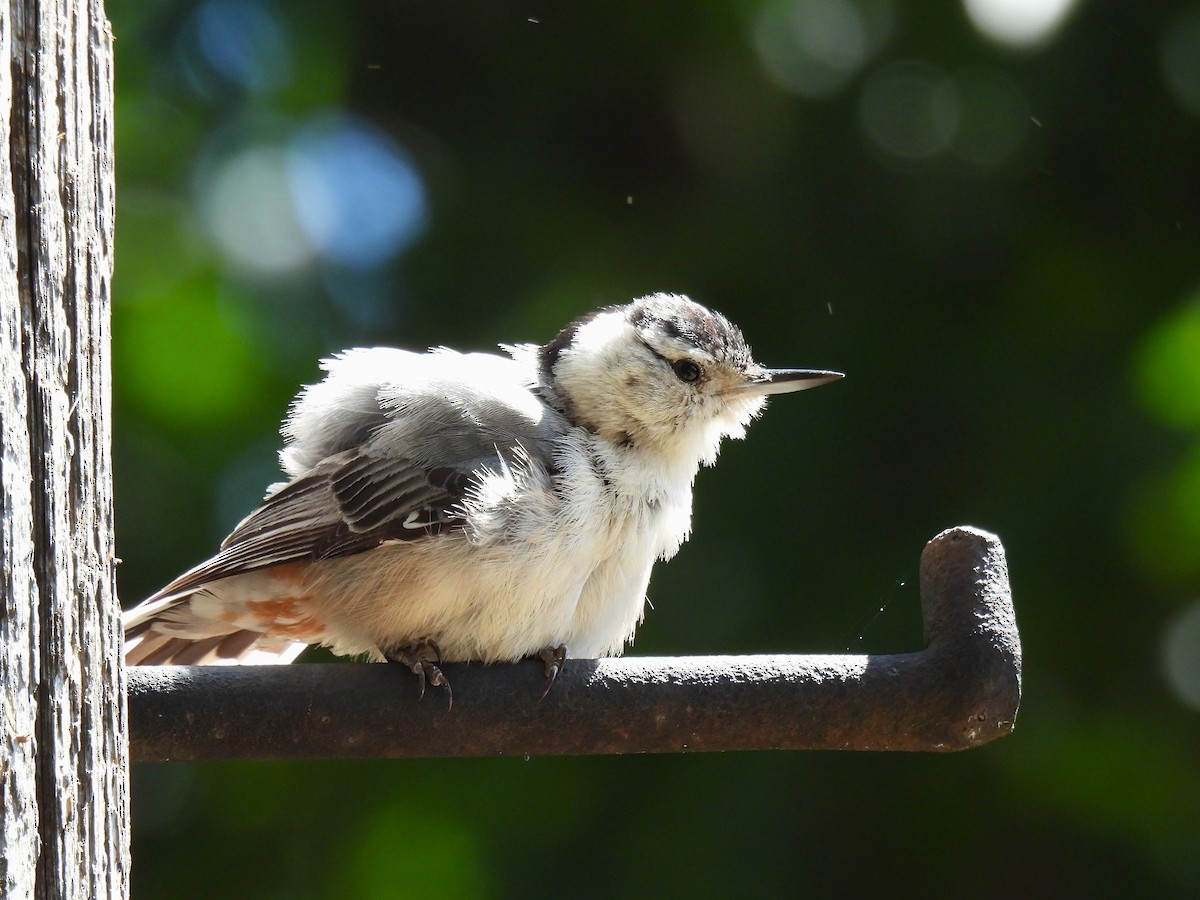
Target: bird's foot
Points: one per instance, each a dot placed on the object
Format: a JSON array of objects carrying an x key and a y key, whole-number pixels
[
  {"x": 553, "y": 658},
  {"x": 424, "y": 660}
]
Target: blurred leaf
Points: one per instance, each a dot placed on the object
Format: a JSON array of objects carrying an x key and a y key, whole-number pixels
[
  {"x": 182, "y": 363},
  {"x": 1165, "y": 520},
  {"x": 1168, "y": 367},
  {"x": 404, "y": 850}
]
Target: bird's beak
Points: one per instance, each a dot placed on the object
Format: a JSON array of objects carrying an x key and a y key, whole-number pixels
[{"x": 785, "y": 381}]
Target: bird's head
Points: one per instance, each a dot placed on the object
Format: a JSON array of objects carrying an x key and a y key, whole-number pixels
[{"x": 663, "y": 374}]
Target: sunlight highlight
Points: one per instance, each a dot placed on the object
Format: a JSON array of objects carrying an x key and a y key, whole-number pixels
[
  {"x": 1019, "y": 23},
  {"x": 1181, "y": 656}
]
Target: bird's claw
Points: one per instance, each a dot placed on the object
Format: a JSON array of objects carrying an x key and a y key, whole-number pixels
[
  {"x": 553, "y": 658},
  {"x": 423, "y": 660}
]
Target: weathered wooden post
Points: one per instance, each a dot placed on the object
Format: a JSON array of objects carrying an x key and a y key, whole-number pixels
[{"x": 63, "y": 745}]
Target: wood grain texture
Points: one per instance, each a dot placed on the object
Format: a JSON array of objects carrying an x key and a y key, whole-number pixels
[{"x": 64, "y": 819}]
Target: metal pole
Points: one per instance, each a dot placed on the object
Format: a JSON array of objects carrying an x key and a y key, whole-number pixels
[{"x": 961, "y": 691}]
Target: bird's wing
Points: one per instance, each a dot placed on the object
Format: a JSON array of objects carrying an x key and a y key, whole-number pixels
[
  {"x": 386, "y": 460},
  {"x": 417, "y": 455},
  {"x": 347, "y": 504}
]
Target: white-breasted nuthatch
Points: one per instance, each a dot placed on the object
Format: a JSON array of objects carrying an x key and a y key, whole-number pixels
[{"x": 447, "y": 506}]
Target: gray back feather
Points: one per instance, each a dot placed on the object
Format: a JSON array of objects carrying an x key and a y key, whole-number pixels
[
  {"x": 387, "y": 448},
  {"x": 441, "y": 408}
]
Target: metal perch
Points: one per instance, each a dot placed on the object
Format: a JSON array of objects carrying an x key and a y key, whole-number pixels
[{"x": 961, "y": 691}]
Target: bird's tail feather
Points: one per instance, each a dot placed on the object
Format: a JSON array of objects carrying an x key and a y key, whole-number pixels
[{"x": 154, "y": 636}]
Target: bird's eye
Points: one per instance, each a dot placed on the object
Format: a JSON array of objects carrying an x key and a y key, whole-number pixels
[{"x": 686, "y": 370}]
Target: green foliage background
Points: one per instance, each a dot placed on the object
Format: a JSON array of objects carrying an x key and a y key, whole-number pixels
[{"x": 1017, "y": 305}]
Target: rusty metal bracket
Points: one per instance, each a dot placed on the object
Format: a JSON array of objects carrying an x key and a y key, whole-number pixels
[{"x": 961, "y": 691}]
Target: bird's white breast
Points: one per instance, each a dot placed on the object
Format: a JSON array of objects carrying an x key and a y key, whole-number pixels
[{"x": 539, "y": 568}]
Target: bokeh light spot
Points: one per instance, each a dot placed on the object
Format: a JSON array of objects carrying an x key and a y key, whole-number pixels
[
  {"x": 1181, "y": 656},
  {"x": 1179, "y": 59},
  {"x": 993, "y": 117},
  {"x": 441, "y": 858},
  {"x": 814, "y": 47},
  {"x": 358, "y": 197},
  {"x": 910, "y": 110},
  {"x": 1165, "y": 521},
  {"x": 209, "y": 369},
  {"x": 1167, "y": 368},
  {"x": 1018, "y": 23},
  {"x": 332, "y": 190},
  {"x": 246, "y": 202},
  {"x": 243, "y": 42}
]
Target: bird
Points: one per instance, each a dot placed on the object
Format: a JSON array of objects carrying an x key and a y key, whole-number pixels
[{"x": 471, "y": 507}]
